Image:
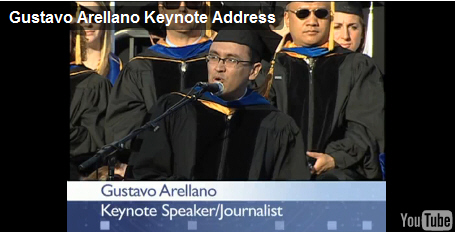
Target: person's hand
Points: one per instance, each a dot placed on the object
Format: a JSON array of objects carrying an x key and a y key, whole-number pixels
[
  {"x": 323, "y": 163},
  {"x": 154, "y": 39},
  {"x": 214, "y": 33},
  {"x": 282, "y": 32}
]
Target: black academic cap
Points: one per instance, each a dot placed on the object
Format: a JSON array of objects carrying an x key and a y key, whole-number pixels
[
  {"x": 268, "y": 7},
  {"x": 73, "y": 8},
  {"x": 357, "y": 8},
  {"x": 246, "y": 7},
  {"x": 350, "y": 8},
  {"x": 260, "y": 39},
  {"x": 76, "y": 8},
  {"x": 90, "y": 11}
]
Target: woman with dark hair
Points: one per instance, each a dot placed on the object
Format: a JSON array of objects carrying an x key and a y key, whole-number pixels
[{"x": 349, "y": 26}]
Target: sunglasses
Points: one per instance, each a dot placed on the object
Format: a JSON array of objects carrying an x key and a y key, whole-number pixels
[
  {"x": 190, "y": 5},
  {"x": 304, "y": 13}
]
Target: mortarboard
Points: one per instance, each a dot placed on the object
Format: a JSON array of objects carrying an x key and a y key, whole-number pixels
[
  {"x": 76, "y": 8},
  {"x": 359, "y": 8},
  {"x": 79, "y": 33},
  {"x": 260, "y": 39},
  {"x": 350, "y": 8}
]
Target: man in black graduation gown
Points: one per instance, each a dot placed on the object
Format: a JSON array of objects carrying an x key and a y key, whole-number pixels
[
  {"x": 335, "y": 96},
  {"x": 175, "y": 63},
  {"x": 235, "y": 136},
  {"x": 89, "y": 93}
]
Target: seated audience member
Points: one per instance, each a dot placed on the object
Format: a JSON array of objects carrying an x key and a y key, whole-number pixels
[
  {"x": 99, "y": 56},
  {"x": 89, "y": 94},
  {"x": 175, "y": 63},
  {"x": 349, "y": 26},
  {"x": 336, "y": 96}
]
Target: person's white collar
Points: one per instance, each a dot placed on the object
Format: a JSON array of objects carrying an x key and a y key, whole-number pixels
[
  {"x": 174, "y": 46},
  {"x": 246, "y": 89}
]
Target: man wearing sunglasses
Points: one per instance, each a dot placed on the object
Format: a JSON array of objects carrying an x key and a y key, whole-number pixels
[
  {"x": 175, "y": 30},
  {"x": 175, "y": 63},
  {"x": 237, "y": 135},
  {"x": 335, "y": 96}
]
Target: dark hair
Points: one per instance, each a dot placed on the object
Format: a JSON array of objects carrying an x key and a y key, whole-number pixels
[{"x": 364, "y": 35}]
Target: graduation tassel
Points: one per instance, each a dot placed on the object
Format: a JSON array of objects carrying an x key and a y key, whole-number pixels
[
  {"x": 368, "y": 50},
  {"x": 78, "y": 52},
  {"x": 332, "y": 27},
  {"x": 264, "y": 90},
  {"x": 78, "y": 49},
  {"x": 208, "y": 25},
  {"x": 103, "y": 64}
]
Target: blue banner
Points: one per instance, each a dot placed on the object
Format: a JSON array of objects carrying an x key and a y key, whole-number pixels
[{"x": 229, "y": 216}]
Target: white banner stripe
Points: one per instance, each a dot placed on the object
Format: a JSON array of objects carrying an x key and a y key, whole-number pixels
[{"x": 225, "y": 191}]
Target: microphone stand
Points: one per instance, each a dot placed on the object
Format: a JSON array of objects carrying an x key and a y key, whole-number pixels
[{"x": 109, "y": 151}]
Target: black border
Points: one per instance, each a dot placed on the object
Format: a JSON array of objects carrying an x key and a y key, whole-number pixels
[
  {"x": 36, "y": 75},
  {"x": 418, "y": 107},
  {"x": 418, "y": 102},
  {"x": 36, "y": 106}
]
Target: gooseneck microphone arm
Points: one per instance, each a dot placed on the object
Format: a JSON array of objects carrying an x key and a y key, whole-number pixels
[{"x": 108, "y": 152}]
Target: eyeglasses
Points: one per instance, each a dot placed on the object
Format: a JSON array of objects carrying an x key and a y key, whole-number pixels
[
  {"x": 304, "y": 13},
  {"x": 190, "y": 5},
  {"x": 228, "y": 62}
]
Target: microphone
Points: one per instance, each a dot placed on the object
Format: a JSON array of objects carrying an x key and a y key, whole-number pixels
[{"x": 215, "y": 88}]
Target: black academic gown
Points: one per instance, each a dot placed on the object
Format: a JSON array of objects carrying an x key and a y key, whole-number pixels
[
  {"x": 89, "y": 93},
  {"x": 201, "y": 142},
  {"x": 142, "y": 81},
  {"x": 339, "y": 106}
]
